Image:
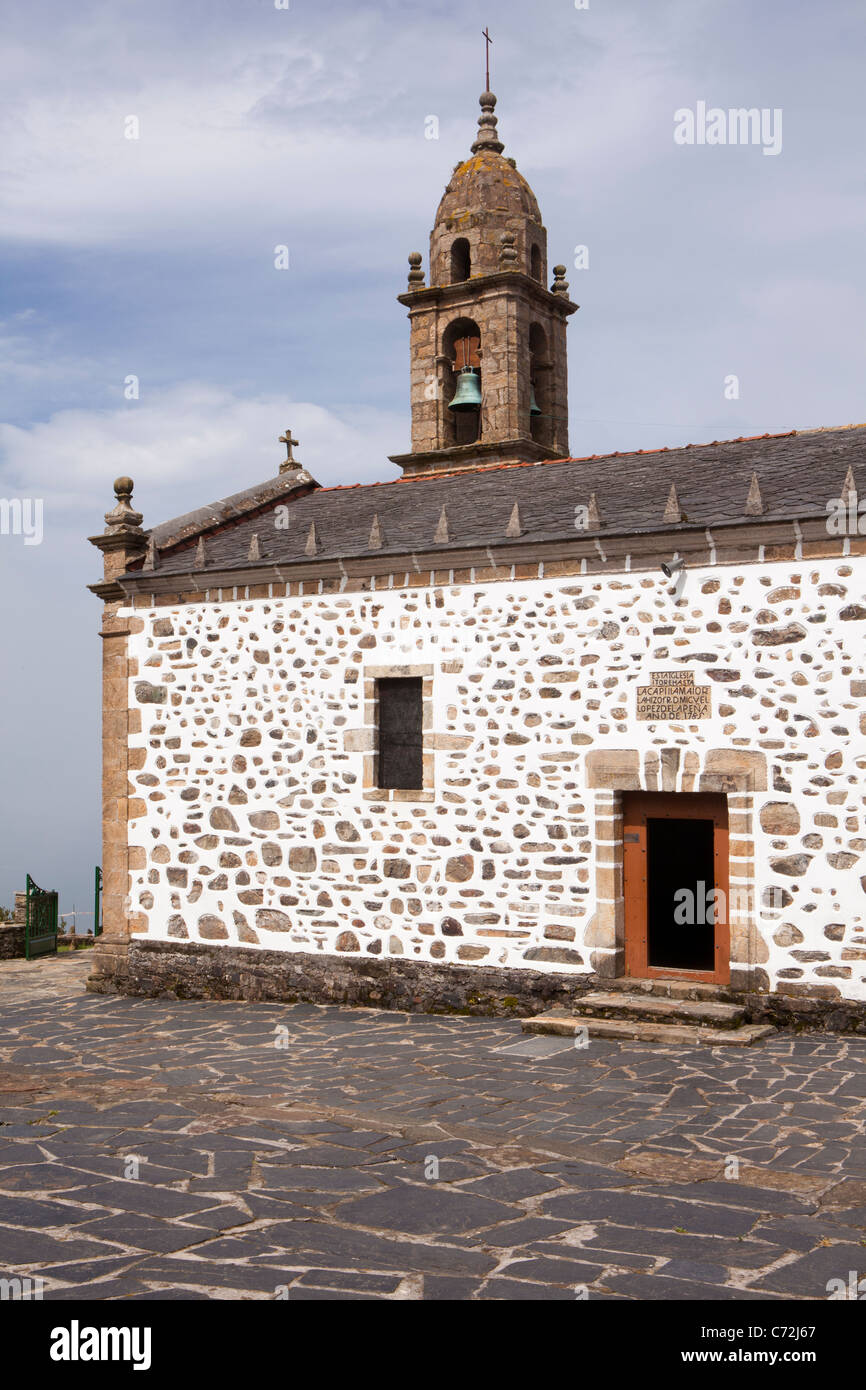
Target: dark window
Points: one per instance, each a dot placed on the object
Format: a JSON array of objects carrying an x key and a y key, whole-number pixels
[
  {"x": 535, "y": 263},
  {"x": 461, "y": 260},
  {"x": 400, "y": 734}
]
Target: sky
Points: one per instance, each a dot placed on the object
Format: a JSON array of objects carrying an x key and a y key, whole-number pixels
[{"x": 305, "y": 124}]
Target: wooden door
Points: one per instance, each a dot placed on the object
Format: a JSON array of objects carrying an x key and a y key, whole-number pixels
[{"x": 675, "y": 871}]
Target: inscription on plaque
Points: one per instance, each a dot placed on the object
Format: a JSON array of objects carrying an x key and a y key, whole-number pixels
[{"x": 673, "y": 695}]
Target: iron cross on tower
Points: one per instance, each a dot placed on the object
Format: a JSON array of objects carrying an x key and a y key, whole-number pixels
[{"x": 488, "y": 41}]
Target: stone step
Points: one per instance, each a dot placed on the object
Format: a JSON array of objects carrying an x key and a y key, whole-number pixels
[
  {"x": 666, "y": 989},
  {"x": 619, "y": 1004},
  {"x": 558, "y": 1023}
]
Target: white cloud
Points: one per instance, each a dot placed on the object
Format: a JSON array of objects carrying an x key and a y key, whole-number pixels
[{"x": 190, "y": 445}]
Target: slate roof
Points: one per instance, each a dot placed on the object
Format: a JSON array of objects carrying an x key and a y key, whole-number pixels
[{"x": 798, "y": 473}]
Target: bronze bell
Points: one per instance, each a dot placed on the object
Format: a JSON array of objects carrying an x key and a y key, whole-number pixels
[
  {"x": 468, "y": 393},
  {"x": 534, "y": 408}
]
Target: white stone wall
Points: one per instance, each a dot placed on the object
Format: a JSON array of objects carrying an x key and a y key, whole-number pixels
[{"x": 251, "y": 823}]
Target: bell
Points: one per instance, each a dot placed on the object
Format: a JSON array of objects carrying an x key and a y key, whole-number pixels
[
  {"x": 468, "y": 393},
  {"x": 534, "y": 408}
]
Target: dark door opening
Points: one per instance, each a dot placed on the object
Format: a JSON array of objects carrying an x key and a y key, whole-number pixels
[{"x": 680, "y": 880}]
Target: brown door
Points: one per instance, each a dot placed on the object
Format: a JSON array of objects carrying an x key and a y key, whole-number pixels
[{"x": 675, "y": 870}]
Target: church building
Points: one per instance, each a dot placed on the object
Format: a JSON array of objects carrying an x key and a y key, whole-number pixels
[{"x": 513, "y": 729}]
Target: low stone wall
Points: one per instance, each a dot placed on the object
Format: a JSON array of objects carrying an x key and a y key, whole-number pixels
[
  {"x": 807, "y": 1014},
  {"x": 12, "y": 943},
  {"x": 11, "y": 940},
  {"x": 196, "y": 971}
]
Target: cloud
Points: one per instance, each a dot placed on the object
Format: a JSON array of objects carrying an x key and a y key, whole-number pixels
[{"x": 194, "y": 442}]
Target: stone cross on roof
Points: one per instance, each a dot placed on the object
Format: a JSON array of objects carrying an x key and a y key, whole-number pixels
[{"x": 290, "y": 461}]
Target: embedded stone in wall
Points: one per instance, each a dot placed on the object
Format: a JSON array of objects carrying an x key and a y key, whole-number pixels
[
  {"x": 269, "y": 919},
  {"x": 212, "y": 928},
  {"x": 780, "y": 818},
  {"x": 147, "y": 694},
  {"x": 779, "y": 636},
  {"x": 460, "y": 868},
  {"x": 302, "y": 859},
  {"x": 792, "y": 865},
  {"x": 557, "y": 955},
  {"x": 396, "y": 868},
  {"x": 787, "y": 935}
]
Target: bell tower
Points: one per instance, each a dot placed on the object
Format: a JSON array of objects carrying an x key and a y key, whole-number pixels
[{"x": 487, "y": 337}]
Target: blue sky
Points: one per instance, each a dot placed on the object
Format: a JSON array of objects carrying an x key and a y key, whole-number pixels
[{"x": 306, "y": 127}]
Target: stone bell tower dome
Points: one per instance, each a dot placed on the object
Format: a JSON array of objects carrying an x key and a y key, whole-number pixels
[{"x": 486, "y": 335}]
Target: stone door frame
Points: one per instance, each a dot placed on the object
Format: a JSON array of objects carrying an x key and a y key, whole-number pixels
[{"x": 737, "y": 774}]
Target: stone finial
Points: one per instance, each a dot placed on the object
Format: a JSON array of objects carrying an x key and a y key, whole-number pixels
[
  {"x": 441, "y": 537},
  {"x": 514, "y": 527},
  {"x": 754, "y": 501},
  {"x": 122, "y": 540},
  {"x": 150, "y": 555},
  {"x": 560, "y": 284},
  {"x": 254, "y": 553},
  {"x": 507, "y": 252},
  {"x": 593, "y": 515},
  {"x": 375, "y": 541},
  {"x": 487, "y": 137},
  {"x": 200, "y": 560},
  {"x": 673, "y": 512},
  {"x": 123, "y": 519},
  {"x": 289, "y": 462},
  {"x": 416, "y": 273},
  {"x": 312, "y": 543},
  {"x": 849, "y": 488}
]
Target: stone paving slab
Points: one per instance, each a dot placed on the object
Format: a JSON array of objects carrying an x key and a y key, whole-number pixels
[{"x": 331, "y": 1153}]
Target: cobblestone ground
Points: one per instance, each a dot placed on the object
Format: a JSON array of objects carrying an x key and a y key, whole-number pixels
[{"x": 292, "y": 1148}]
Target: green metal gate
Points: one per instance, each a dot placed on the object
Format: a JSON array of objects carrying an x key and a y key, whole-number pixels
[{"x": 40, "y": 935}]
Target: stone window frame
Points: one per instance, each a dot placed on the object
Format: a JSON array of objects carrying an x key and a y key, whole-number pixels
[
  {"x": 737, "y": 775},
  {"x": 372, "y": 791}
]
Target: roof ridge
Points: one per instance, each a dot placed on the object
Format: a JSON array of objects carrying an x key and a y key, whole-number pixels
[{"x": 441, "y": 476}]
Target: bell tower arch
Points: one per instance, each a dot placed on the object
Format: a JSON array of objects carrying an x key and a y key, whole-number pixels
[{"x": 488, "y": 269}]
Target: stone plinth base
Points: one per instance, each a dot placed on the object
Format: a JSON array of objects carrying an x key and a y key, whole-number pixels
[
  {"x": 184, "y": 970},
  {"x": 195, "y": 971}
]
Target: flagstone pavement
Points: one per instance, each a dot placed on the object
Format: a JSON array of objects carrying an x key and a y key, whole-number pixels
[{"x": 164, "y": 1149}]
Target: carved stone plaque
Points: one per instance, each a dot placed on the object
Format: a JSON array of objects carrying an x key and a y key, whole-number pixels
[{"x": 673, "y": 695}]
